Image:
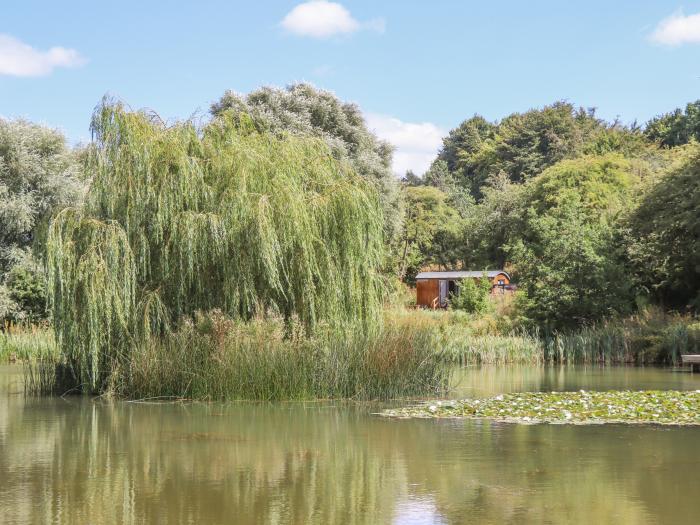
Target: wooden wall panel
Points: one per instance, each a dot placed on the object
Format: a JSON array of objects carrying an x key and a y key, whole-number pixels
[{"x": 427, "y": 291}]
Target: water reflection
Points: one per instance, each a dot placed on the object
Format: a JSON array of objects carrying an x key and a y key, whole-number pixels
[
  {"x": 491, "y": 380},
  {"x": 80, "y": 461},
  {"x": 418, "y": 511}
]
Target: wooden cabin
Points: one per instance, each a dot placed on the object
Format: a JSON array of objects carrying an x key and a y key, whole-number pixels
[{"x": 433, "y": 289}]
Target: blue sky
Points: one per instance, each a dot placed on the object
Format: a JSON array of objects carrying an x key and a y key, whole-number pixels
[{"x": 416, "y": 68}]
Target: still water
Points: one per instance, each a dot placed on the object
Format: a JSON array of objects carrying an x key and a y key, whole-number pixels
[{"x": 84, "y": 461}]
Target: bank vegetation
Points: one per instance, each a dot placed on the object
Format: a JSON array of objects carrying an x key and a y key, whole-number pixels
[{"x": 265, "y": 252}]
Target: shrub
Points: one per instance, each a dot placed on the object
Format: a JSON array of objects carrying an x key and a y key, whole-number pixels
[
  {"x": 38, "y": 176},
  {"x": 473, "y": 296},
  {"x": 26, "y": 287}
]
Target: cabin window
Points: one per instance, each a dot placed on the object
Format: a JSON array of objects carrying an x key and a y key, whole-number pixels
[{"x": 501, "y": 282}]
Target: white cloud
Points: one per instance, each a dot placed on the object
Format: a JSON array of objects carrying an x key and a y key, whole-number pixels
[
  {"x": 22, "y": 60},
  {"x": 323, "y": 19},
  {"x": 416, "y": 143},
  {"x": 678, "y": 29}
]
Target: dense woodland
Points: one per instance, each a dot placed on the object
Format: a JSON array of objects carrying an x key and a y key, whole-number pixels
[{"x": 594, "y": 219}]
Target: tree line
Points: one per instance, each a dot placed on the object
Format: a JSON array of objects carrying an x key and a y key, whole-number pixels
[{"x": 593, "y": 218}]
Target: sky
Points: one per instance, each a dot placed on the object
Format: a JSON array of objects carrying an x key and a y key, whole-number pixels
[{"x": 415, "y": 68}]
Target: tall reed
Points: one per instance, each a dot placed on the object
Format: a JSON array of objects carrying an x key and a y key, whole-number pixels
[
  {"x": 650, "y": 337},
  {"x": 215, "y": 358},
  {"x": 25, "y": 343},
  {"x": 459, "y": 339},
  {"x": 653, "y": 336}
]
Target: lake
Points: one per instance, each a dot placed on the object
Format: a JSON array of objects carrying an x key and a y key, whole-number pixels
[{"x": 78, "y": 460}]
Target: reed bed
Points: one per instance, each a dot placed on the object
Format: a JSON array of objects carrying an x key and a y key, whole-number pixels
[
  {"x": 409, "y": 354},
  {"x": 651, "y": 337},
  {"x": 259, "y": 363},
  {"x": 214, "y": 358},
  {"x": 460, "y": 339},
  {"x": 518, "y": 348},
  {"x": 26, "y": 343}
]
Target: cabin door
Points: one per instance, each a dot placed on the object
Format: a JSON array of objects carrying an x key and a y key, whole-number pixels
[{"x": 443, "y": 287}]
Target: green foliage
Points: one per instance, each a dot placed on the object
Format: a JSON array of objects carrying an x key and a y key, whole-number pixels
[
  {"x": 600, "y": 184},
  {"x": 210, "y": 356},
  {"x": 520, "y": 146},
  {"x": 650, "y": 337},
  {"x": 38, "y": 175},
  {"x": 585, "y": 176},
  {"x": 440, "y": 177},
  {"x": 411, "y": 179},
  {"x": 302, "y": 109},
  {"x": 473, "y": 295},
  {"x": 179, "y": 219},
  {"x": 629, "y": 142},
  {"x": 9, "y": 310},
  {"x": 516, "y": 348},
  {"x": 560, "y": 231},
  {"x": 564, "y": 250},
  {"x": 490, "y": 224},
  {"x": 662, "y": 235},
  {"x": 565, "y": 272},
  {"x": 431, "y": 233},
  {"x": 26, "y": 287},
  {"x": 529, "y": 142},
  {"x": 462, "y": 338},
  {"x": 676, "y": 128},
  {"x": 462, "y": 146},
  {"x": 271, "y": 209},
  {"x": 553, "y": 186}
]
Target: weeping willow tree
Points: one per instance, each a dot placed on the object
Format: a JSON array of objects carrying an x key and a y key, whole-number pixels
[{"x": 180, "y": 219}]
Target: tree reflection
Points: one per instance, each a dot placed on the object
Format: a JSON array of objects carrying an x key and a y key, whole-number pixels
[{"x": 81, "y": 460}]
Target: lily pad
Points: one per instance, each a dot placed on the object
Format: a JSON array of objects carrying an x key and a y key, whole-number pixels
[{"x": 662, "y": 407}]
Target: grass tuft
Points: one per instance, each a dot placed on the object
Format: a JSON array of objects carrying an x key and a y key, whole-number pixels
[{"x": 19, "y": 343}]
